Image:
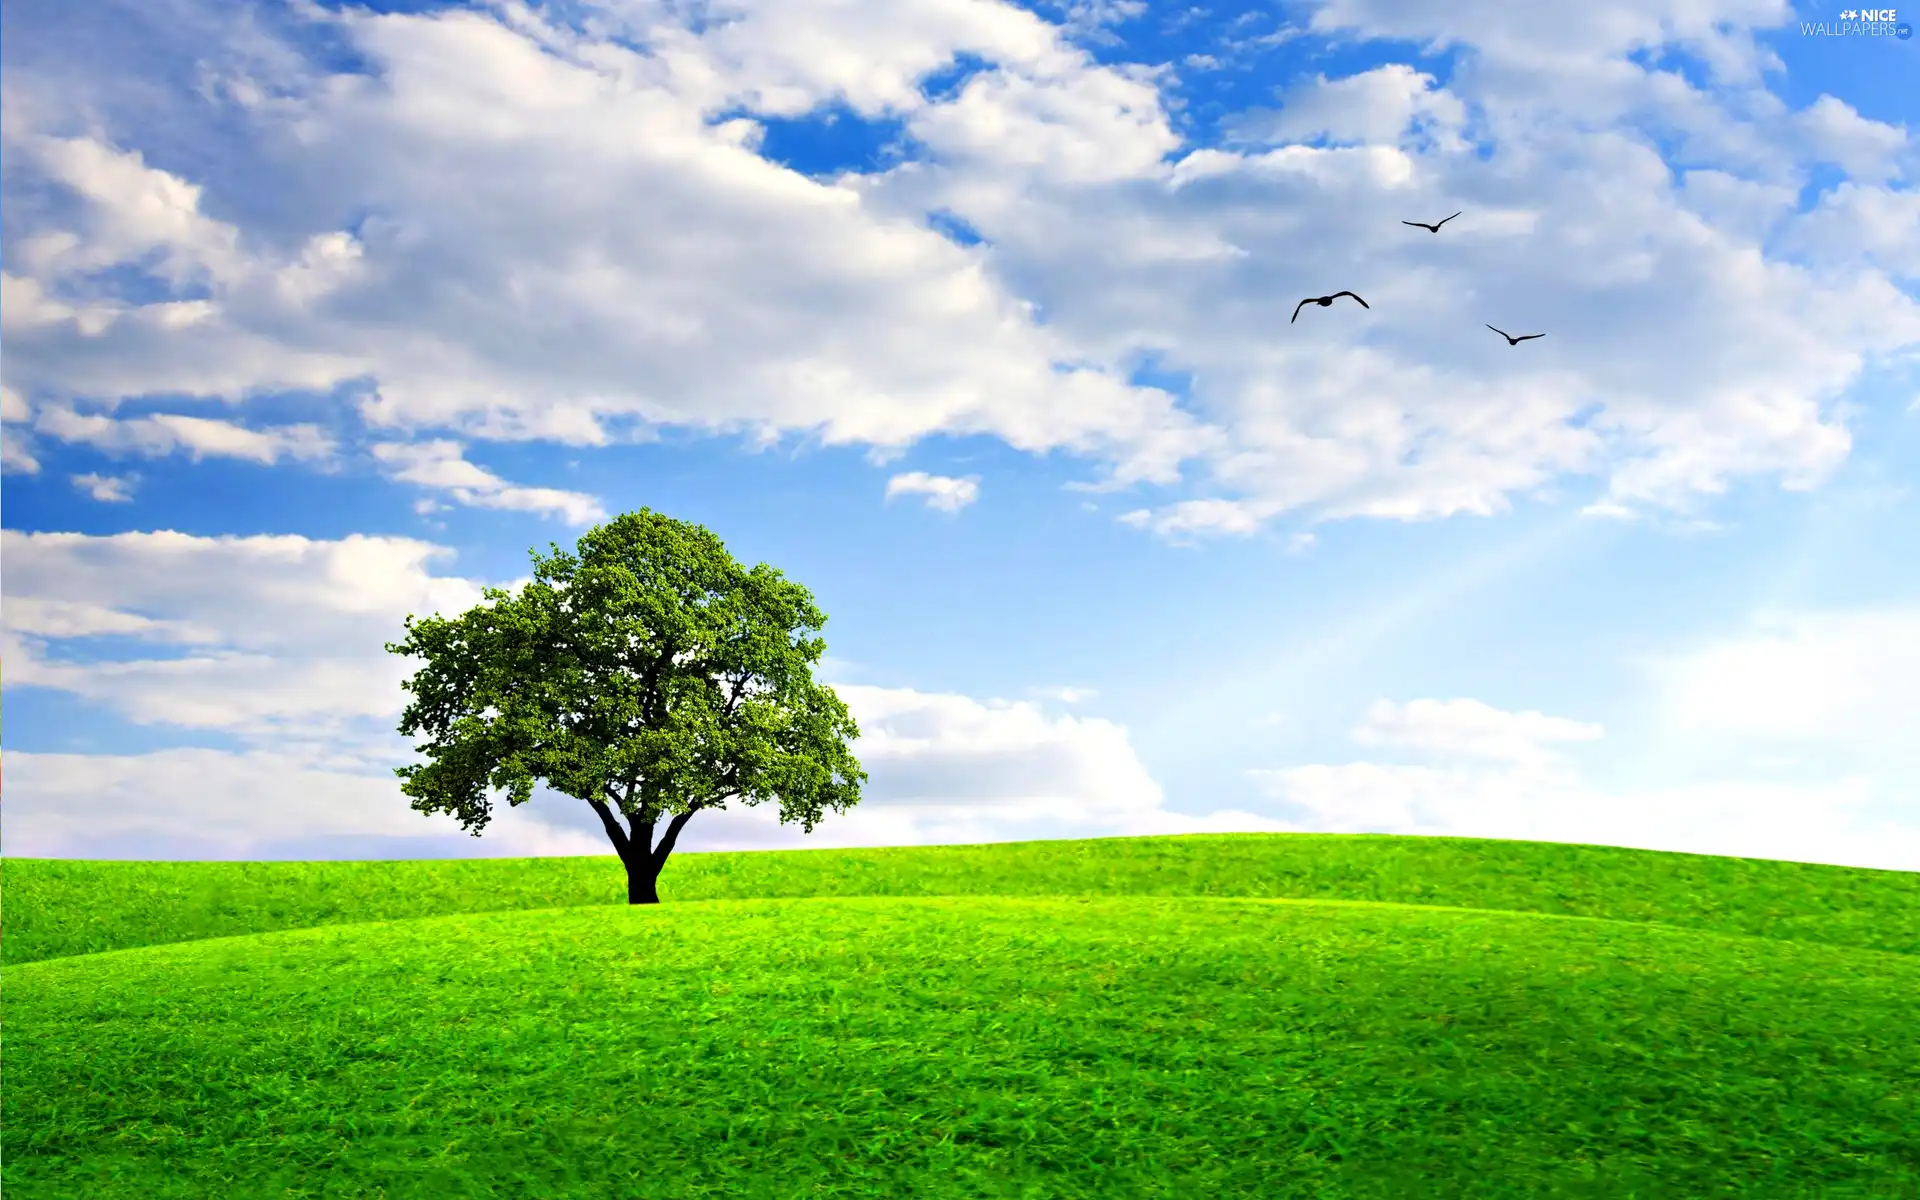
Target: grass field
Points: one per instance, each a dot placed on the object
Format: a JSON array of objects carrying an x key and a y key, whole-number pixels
[
  {"x": 1113, "y": 1018},
  {"x": 59, "y": 907}
]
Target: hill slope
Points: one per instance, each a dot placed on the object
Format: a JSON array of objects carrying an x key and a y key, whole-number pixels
[
  {"x": 58, "y": 908},
  {"x": 967, "y": 1047}
]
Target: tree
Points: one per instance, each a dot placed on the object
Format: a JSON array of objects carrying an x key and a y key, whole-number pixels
[{"x": 650, "y": 675}]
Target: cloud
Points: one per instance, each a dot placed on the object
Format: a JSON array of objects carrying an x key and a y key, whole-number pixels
[
  {"x": 13, "y": 406},
  {"x": 1718, "y": 31},
  {"x": 1067, "y": 695},
  {"x": 282, "y": 635},
  {"x": 1469, "y": 728},
  {"x": 1379, "y": 106},
  {"x": 200, "y": 437},
  {"x": 640, "y": 264},
  {"x": 279, "y": 641},
  {"x": 1842, "y": 677},
  {"x": 440, "y": 465},
  {"x": 1869, "y": 151},
  {"x": 1866, "y": 224},
  {"x": 943, "y": 492},
  {"x": 1496, "y": 778},
  {"x": 1840, "y": 822},
  {"x": 944, "y": 768},
  {"x": 16, "y": 446},
  {"x": 211, "y": 804},
  {"x": 108, "y": 489}
]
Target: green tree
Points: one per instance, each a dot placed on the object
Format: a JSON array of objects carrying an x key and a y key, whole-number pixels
[{"x": 649, "y": 674}]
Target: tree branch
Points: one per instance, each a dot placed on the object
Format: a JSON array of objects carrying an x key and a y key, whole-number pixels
[
  {"x": 651, "y": 704},
  {"x": 671, "y": 836},
  {"x": 622, "y": 844},
  {"x": 739, "y": 690}
]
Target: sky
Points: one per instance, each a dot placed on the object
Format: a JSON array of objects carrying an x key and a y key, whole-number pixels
[{"x": 974, "y": 318}]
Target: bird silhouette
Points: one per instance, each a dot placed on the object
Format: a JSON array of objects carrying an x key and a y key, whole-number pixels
[
  {"x": 1515, "y": 341},
  {"x": 1324, "y": 302},
  {"x": 1434, "y": 228}
]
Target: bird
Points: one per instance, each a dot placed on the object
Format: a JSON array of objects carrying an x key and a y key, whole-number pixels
[
  {"x": 1515, "y": 341},
  {"x": 1324, "y": 302},
  {"x": 1434, "y": 228}
]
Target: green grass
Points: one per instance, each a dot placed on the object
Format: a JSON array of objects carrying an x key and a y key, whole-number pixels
[
  {"x": 968, "y": 1047},
  {"x": 1113, "y": 1018},
  {"x": 58, "y": 908}
]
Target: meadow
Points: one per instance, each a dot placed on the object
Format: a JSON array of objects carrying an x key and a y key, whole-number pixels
[{"x": 1241, "y": 1015}]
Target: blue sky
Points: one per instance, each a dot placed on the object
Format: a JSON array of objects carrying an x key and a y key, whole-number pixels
[{"x": 973, "y": 318}]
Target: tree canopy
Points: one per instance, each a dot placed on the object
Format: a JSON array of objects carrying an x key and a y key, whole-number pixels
[{"x": 647, "y": 673}]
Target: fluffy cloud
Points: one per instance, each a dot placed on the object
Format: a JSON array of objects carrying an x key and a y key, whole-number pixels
[
  {"x": 441, "y": 467},
  {"x": 943, "y": 492},
  {"x": 278, "y": 641},
  {"x": 1851, "y": 678},
  {"x": 210, "y": 804},
  {"x": 265, "y": 636},
  {"x": 574, "y": 239},
  {"x": 166, "y": 433},
  {"x": 1839, "y": 822},
  {"x": 1864, "y": 223},
  {"x": 1469, "y": 728},
  {"x": 16, "y": 446},
  {"x": 1497, "y": 777},
  {"x": 1373, "y": 106},
  {"x": 108, "y": 489}
]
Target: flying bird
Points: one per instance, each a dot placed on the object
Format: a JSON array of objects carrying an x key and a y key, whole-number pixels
[
  {"x": 1515, "y": 341},
  {"x": 1324, "y": 302},
  {"x": 1434, "y": 228}
]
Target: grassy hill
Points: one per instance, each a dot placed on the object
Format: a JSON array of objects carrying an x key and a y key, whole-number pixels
[
  {"x": 58, "y": 907},
  {"x": 1099, "y": 1019}
]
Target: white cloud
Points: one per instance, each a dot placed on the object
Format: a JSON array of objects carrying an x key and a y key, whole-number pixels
[
  {"x": 282, "y": 634},
  {"x": 13, "y": 406},
  {"x": 16, "y": 455},
  {"x": 25, "y": 307},
  {"x": 945, "y": 750},
  {"x": 1864, "y": 223},
  {"x": 279, "y": 640},
  {"x": 16, "y": 446},
  {"x": 211, "y": 804},
  {"x": 1200, "y": 516},
  {"x": 1868, "y": 151},
  {"x": 1380, "y": 105},
  {"x": 639, "y": 265},
  {"x": 133, "y": 211},
  {"x": 1840, "y": 822},
  {"x": 943, "y": 492},
  {"x": 108, "y": 489},
  {"x": 1720, "y": 31},
  {"x": 1067, "y": 695},
  {"x": 45, "y": 617},
  {"x": 200, "y": 437},
  {"x": 1469, "y": 728},
  {"x": 1497, "y": 780},
  {"x": 441, "y": 466},
  {"x": 1848, "y": 677}
]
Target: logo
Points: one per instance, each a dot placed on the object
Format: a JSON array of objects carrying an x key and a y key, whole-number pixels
[{"x": 1860, "y": 22}]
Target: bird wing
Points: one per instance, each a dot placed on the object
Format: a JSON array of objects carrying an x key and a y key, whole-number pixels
[
  {"x": 1298, "y": 307},
  {"x": 1363, "y": 303},
  {"x": 1503, "y": 333},
  {"x": 1417, "y": 224},
  {"x": 1445, "y": 220},
  {"x": 1529, "y": 337}
]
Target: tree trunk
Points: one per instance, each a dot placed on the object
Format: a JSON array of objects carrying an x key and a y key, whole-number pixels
[{"x": 643, "y": 882}]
